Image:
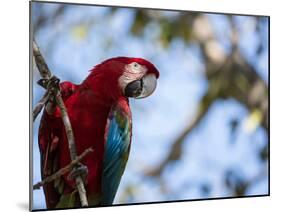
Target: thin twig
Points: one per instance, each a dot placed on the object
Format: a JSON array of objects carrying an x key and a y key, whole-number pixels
[
  {"x": 40, "y": 62},
  {"x": 63, "y": 170},
  {"x": 46, "y": 74},
  {"x": 72, "y": 148},
  {"x": 39, "y": 106}
]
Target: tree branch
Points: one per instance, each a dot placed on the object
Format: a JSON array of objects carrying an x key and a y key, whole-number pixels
[
  {"x": 40, "y": 62},
  {"x": 39, "y": 106},
  {"x": 63, "y": 170},
  {"x": 47, "y": 83}
]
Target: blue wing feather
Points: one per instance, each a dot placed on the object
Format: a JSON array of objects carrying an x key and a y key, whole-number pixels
[{"x": 116, "y": 153}]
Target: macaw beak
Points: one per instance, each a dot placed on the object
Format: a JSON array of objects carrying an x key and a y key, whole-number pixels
[{"x": 141, "y": 88}]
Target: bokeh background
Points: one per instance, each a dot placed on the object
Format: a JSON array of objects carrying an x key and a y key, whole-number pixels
[{"x": 204, "y": 132}]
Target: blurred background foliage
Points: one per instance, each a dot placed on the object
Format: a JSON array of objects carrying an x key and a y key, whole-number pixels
[{"x": 204, "y": 132}]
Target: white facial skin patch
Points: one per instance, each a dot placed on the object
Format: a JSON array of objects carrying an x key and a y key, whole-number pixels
[
  {"x": 132, "y": 72},
  {"x": 135, "y": 71}
]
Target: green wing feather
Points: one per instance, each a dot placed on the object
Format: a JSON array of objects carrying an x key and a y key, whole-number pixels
[{"x": 117, "y": 148}]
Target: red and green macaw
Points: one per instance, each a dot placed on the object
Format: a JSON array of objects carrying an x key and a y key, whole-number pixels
[{"x": 100, "y": 115}]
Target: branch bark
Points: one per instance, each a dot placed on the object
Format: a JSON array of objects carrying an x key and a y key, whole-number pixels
[
  {"x": 63, "y": 170},
  {"x": 47, "y": 75},
  {"x": 39, "y": 106}
]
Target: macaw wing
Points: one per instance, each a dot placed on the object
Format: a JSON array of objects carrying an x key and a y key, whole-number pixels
[
  {"x": 49, "y": 135},
  {"x": 117, "y": 147}
]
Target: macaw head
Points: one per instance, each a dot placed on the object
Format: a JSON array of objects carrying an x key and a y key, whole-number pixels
[{"x": 129, "y": 77}]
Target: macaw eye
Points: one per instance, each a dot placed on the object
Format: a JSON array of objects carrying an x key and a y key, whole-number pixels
[{"x": 136, "y": 65}]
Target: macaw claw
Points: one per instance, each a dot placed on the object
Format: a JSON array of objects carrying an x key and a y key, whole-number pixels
[
  {"x": 79, "y": 170},
  {"x": 52, "y": 85}
]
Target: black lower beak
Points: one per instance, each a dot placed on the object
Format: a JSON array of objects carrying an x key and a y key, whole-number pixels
[{"x": 134, "y": 89}]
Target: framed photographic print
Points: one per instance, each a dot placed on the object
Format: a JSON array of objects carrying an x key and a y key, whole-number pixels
[{"x": 140, "y": 105}]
